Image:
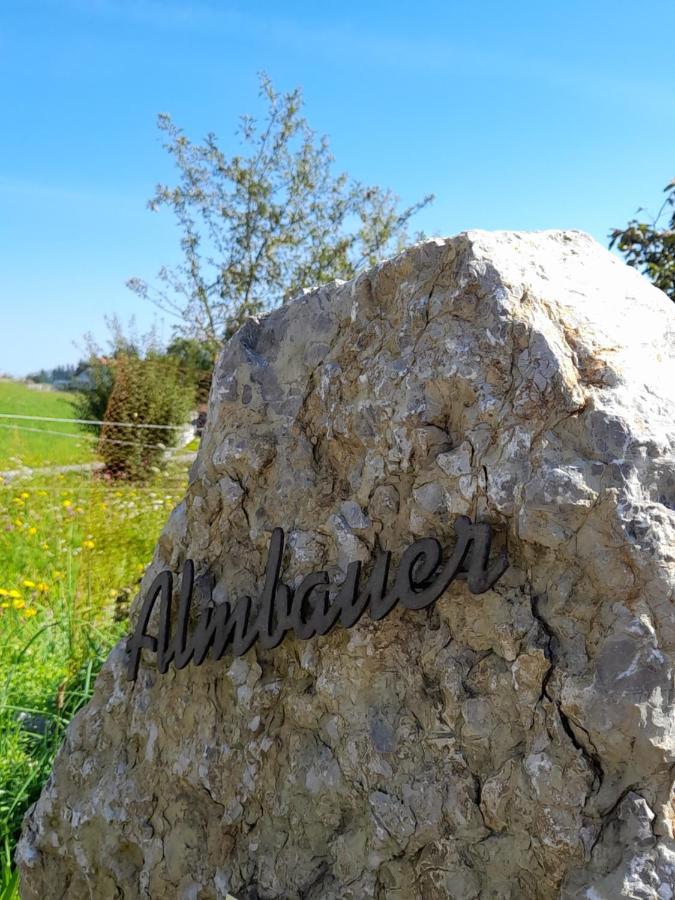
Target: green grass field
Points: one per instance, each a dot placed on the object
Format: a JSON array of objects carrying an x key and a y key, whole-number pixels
[
  {"x": 73, "y": 547},
  {"x": 40, "y": 446}
]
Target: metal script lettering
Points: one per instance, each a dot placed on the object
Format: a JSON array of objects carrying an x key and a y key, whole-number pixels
[{"x": 420, "y": 579}]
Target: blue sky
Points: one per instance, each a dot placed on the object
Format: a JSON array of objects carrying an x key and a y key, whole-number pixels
[{"x": 521, "y": 115}]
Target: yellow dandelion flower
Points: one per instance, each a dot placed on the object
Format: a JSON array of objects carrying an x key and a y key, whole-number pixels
[
  {"x": 29, "y": 612},
  {"x": 13, "y": 593},
  {"x": 18, "y": 501},
  {"x": 32, "y": 530},
  {"x": 4, "y": 605},
  {"x": 3, "y": 592},
  {"x": 88, "y": 545},
  {"x": 44, "y": 546},
  {"x": 18, "y": 603},
  {"x": 67, "y": 503},
  {"x": 42, "y": 587},
  {"x": 25, "y": 495},
  {"x": 18, "y": 523},
  {"x": 28, "y": 583}
]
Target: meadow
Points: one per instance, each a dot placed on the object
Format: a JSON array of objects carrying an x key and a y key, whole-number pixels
[
  {"x": 73, "y": 546},
  {"x": 34, "y": 443}
]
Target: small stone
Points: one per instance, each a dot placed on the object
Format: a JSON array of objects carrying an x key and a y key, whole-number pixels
[
  {"x": 456, "y": 462},
  {"x": 230, "y": 491},
  {"x": 354, "y": 516},
  {"x": 430, "y": 497},
  {"x": 393, "y": 815},
  {"x": 384, "y": 502}
]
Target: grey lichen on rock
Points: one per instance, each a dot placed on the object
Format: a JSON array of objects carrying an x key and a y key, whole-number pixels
[{"x": 515, "y": 744}]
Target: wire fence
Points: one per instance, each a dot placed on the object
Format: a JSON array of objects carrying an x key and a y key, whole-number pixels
[
  {"x": 80, "y": 437},
  {"x": 16, "y": 424},
  {"x": 91, "y": 422}
]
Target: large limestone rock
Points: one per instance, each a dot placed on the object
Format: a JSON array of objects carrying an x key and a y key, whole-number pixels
[{"x": 514, "y": 744}]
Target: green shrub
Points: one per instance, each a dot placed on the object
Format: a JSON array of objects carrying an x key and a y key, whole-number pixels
[{"x": 149, "y": 401}]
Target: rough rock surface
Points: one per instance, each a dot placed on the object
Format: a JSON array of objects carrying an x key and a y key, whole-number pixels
[{"x": 516, "y": 744}]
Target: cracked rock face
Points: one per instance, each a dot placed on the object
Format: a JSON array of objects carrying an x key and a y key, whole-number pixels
[{"x": 515, "y": 744}]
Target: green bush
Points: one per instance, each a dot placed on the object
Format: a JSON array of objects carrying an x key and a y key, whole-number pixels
[{"x": 149, "y": 401}]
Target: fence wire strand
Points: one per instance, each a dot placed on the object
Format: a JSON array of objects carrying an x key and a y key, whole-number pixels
[
  {"x": 90, "y": 422},
  {"x": 83, "y": 437}
]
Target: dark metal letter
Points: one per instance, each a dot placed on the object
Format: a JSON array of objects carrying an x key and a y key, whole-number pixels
[
  {"x": 480, "y": 578},
  {"x": 182, "y": 644},
  {"x": 140, "y": 640},
  {"x": 417, "y": 565},
  {"x": 303, "y": 624},
  {"x": 374, "y": 593},
  {"x": 271, "y": 635}
]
